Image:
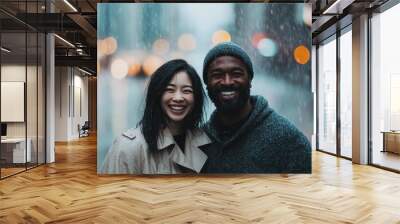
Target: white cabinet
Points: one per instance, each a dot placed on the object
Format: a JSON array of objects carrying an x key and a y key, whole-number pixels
[{"x": 18, "y": 149}]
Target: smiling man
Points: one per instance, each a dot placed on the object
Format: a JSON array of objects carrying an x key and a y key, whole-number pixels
[{"x": 248, "y": 135}]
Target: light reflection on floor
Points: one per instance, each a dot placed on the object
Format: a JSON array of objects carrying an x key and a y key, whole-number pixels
[{"x": 386, "y": 159}]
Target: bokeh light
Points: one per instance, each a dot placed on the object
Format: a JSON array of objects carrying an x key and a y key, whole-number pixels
[
  {"x": 267, "y": 47},
  {"x": 256, "y": 38},
  {"x": 107, "y": 46},
  {"x": 187, "y": 42},
  {"x": 151, "y": 64},
  {"x": 134, "y": 69},
  {"x": 221, "y": 36},
  {"x": 161, "y": 46},
  {"x": 119, "y": 68},
  {"x": 134, "y": 65},
  {"x": 301, "y": 54}
]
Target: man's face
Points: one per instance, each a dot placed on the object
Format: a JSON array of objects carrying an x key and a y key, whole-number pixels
[{"x": 228, "y": 84}]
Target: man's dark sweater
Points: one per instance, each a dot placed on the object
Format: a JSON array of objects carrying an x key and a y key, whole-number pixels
[{"x": 266, "y": 142}]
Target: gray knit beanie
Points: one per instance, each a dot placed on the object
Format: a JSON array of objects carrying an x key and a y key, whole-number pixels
[{"x": 227, "y": 49}]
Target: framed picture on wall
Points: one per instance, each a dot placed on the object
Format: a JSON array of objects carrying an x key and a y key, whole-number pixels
[
  {"x": 12, "y": 101},
  {"x": 204, "y": 88}
]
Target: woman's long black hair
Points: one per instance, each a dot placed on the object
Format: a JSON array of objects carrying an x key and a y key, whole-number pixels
[{"x": 154, "y": 120}]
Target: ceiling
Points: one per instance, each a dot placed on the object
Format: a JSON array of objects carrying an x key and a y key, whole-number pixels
[{"x": 77, "y": 22}]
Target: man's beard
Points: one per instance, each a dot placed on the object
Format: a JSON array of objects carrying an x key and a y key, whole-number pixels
[{"x": 233, "y": 105}]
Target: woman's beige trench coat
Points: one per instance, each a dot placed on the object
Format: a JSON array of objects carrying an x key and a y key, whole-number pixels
[{"x": 129, "y": 154}]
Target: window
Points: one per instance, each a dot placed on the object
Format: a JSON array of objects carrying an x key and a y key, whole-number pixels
[
  {"x": 346, "y": 94},
  {"x": 385, "y": 88},
  {"x": 22, "y": 65},
  {"x": 327, "y": 96}
]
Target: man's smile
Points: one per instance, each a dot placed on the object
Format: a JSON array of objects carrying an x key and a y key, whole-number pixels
[{"x": 227, "y": 95}]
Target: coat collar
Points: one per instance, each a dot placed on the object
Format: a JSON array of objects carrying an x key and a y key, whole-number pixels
[
  {"x": 193, "y": 158},
  {"x": 165, "y": 139}
]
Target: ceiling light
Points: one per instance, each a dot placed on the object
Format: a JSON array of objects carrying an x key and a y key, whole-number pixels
[
  {"x": 70, "y": 5},
  {"x": 326, "y": 11},
  {"x": 65, "y": 41},
  {"x": 84, "y": 71},
  {"x": 5, "y": 50},
  {"x": 337, "y": 7}
]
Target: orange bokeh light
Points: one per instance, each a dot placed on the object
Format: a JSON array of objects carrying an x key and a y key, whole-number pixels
[
  {"x": 221, "y": 36},
  {"x": 301, "y": 54},
  {"x": 134, "y": 65},
  {"x": 134, "y": 69},
  {"x": 107, "y": 46}
]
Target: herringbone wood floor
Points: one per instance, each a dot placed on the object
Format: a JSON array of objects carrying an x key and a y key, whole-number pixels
[{"x": 70, "y": 191}]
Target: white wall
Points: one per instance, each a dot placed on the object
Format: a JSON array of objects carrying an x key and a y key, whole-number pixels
[
  {"x": 79, "y": 117},
  {"x": 62, "y": 81},
  {"x": 17, "y": 73},
  {"x": 14, "y": 73},
  {"x": 70, "y": 83},
  {"x": 33, "y": 126}
]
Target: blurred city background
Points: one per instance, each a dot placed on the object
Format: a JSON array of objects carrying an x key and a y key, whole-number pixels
[{"x": 135, "y": 39}]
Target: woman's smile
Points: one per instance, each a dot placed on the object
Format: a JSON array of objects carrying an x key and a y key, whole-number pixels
[{"x": 177, "y": 108}]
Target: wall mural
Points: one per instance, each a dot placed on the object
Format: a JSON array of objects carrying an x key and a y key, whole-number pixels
[{"x": 204, "y": 88}]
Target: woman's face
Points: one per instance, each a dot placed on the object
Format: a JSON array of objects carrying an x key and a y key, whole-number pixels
[{"x": 177, "y": 101}]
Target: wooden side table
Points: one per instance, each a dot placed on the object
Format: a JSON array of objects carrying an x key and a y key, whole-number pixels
[{"x": 391, "y": 141}]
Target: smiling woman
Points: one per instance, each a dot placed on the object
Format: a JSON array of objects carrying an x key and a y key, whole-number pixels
[{"x": 168, "y": 138}]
